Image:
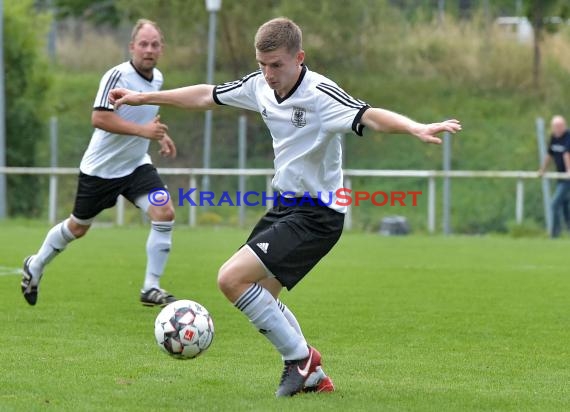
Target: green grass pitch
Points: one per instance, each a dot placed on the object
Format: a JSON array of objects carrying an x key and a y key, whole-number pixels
[{"x": 410, "y": 323}]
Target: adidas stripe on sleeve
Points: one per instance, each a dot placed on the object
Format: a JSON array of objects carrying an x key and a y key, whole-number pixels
[
  {"x": 109, "y": 81},
  {"x": 239, "y": 93},
  {"x": 340, "y": 112}
]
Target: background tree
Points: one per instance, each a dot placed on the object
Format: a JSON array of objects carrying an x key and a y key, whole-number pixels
[
  {"x": 99, "y": 12},
  {"x": 538, "y": 12},
  {"x": 27, "y": 86}
]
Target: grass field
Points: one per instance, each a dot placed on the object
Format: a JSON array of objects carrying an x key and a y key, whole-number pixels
[{"x": 411, "y": 323}]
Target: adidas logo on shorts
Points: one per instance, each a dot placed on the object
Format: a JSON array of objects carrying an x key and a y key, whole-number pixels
[{"x": 263, "y": 246}]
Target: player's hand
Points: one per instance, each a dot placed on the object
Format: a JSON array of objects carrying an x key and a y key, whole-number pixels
[
  {"x": 154, "y": 130},
  {"x": 118, "y": 97},
  {"x": 167, "y": 147},
  {"x": 427, "y": 132},
  {"x": 541, "y": 172}
]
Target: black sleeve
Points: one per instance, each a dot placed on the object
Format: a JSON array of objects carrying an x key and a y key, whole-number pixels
[{"x": 356, "y": 125}]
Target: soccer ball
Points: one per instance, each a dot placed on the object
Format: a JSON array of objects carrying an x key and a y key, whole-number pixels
[{"x": 184, "y": 329}]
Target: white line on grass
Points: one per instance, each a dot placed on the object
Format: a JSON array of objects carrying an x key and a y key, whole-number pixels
[{"x": 7, "y": 271}]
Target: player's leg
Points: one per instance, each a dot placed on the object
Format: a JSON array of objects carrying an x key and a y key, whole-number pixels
[
  {"x": 317, "y": 381},
  {"x": 158, "y": 246},
  {"x": 93, "y": 195},
  {"x": 282, "y": 244},
  {"x": 147, "y": 190},
  {"x": 56, "y": 240},
  {"x": 239, "y": 279},
  {"x": 159, "y": 243}
]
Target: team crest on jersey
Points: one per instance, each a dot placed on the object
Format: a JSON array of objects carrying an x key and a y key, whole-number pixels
[{"x": 299, "y": 117}]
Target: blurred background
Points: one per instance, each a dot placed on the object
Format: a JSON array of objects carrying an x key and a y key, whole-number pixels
[{"x": 497, "y": 65}]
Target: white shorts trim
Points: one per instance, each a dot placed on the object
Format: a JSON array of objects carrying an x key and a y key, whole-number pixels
[
  {"x": 143, "y": 203},
  {"x": 269, "y": 274},
  {"x": 84, "y": 222}
]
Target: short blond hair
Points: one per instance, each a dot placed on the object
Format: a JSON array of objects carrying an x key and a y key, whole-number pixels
[
  {"x": 139, "y": 25},
  {"x": 277, "y": 33}
]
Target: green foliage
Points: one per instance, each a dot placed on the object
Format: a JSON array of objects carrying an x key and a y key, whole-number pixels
[
  {"x": 27, "y": 87},
  {"x": 543, "y": 8},
  {"x": 210, "y": 219},
  {"x": 100, "y": 12},
  {"x": 528, "y": 228},
  {"x": 469, "y": 70},
  {"x": 173, "y": 16},
  {"x": 537, "y": 12}
]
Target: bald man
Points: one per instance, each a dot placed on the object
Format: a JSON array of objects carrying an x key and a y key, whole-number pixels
[{"x": 559, "y": 151}]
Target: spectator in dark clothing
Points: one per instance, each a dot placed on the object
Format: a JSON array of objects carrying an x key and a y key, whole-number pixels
[{"x": 559, "y": 151}]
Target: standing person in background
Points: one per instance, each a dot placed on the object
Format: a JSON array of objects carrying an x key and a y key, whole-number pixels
[
  {"x": 559, "y": 151},
  {"x": 117, "y": 162}
]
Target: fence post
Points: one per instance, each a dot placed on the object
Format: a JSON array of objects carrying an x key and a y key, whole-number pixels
[
  {"x": 431, "y": 204},
  {"x": 52, "y": 213},
  {"x": 120, "y": 211},
  {"x": 545, "y": 182},
  {"x": 192, "y": 211},
  {"x": 348, "y": 216},
  {"x": 242, "y": 152},
  {"x": 519, "y": 209},
  {"x": 446, "y": 183},
  {"x": 3, "y": 156},
  {"x": 268, "y": 190}
]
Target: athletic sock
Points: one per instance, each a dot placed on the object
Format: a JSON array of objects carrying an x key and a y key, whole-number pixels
[
  {"x": 290, "y": 318},
  {"x": 157, "y": 250},
  {"x": 262, "y": 310},
  {"x": 56, "y": 240}
]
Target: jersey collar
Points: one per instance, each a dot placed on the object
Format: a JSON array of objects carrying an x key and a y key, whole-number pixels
[
  {"x": 148, "y": 79},
  {"x": 299, "y": 80}
]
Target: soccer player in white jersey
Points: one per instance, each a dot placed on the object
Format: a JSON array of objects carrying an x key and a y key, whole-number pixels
[
  {"x": 304, "y": 112},
  {"x": 117, "y": 163}
]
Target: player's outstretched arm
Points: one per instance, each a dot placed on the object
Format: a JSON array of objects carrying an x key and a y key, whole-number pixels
[
  {"x": 113, "y": 123},
  {"x": 382, "y": 120},
  {"x": 197, "y": 97}
]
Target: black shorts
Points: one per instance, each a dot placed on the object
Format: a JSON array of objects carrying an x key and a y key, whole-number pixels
[
  {"x": 95, "y": 194},
  {"x": 290, "y": 240}
]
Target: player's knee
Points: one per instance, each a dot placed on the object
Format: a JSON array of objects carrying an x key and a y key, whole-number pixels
[
  {"x": 169, "y": 214},
  {"x": 227, "y": 280},
  {"x": 223, "y": 278},
  {"x": 79, "y": 234},
  {"x": 163, "y": 214},
  {"x": 78, "y": 230}
]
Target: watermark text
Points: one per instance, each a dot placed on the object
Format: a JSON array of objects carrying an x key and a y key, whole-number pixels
[{"x": 341, "y": 197}]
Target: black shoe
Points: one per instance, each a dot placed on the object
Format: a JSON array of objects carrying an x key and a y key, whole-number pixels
[
  {"x": 29, "y": 291},
  {"x": 156, "y": 297},
  {"x": 296, "y": 373}
]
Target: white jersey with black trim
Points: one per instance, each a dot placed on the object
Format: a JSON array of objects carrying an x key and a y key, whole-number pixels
[
  {"x": 111, "y": 155},
  {"x": 305, "y": 126}
]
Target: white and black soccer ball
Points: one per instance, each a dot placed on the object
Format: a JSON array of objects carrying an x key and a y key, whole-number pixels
[{"x": 184, "y": 329}]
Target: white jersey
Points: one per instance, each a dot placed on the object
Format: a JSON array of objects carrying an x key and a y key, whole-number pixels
[
  {"x": 111, "y": 155},
  {"x": 305, "y": 126}
]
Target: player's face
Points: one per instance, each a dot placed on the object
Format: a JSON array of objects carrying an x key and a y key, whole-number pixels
[
  {"x": 280, "y": 68},
  {"x": 146, "y": 49}
]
